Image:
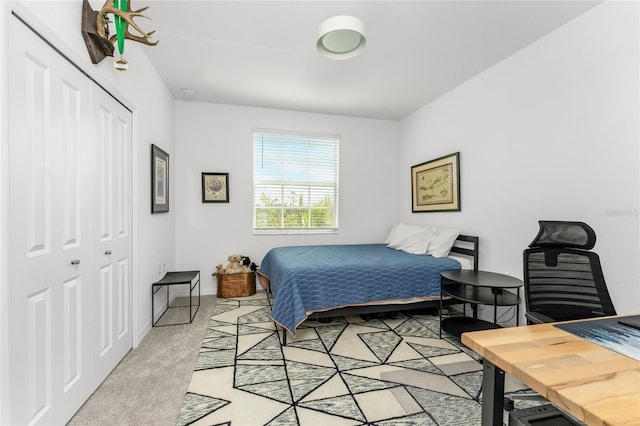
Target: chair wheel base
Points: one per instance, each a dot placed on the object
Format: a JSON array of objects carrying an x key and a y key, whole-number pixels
[{"x": 508, "y": 404}]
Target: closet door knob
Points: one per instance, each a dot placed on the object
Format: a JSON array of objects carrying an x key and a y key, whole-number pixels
[
  {"x": 75, "y": 262},
  {"x": 108, "y": 252}
]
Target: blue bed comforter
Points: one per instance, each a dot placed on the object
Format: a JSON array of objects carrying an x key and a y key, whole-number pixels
[{"x": 307, "y": 279}]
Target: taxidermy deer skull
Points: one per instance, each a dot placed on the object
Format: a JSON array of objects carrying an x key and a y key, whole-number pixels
[{"x": 95, "y": 31}]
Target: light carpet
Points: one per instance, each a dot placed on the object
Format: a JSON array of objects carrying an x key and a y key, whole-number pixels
[{"x": 345, "y": 372}]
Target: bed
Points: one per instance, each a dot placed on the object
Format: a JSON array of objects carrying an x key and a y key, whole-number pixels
[{"x": 321, "y": 281}]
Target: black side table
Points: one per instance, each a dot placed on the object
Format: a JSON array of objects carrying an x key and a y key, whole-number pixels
[
  {"x": 477, "y": 287},
  {"x": 191, "y": 278}
]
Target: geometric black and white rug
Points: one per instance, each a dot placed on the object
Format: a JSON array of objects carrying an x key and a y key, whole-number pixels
[{"x": 346, "y": 372}]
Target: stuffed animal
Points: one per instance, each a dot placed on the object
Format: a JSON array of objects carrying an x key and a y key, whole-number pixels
[
  {"x": 219, "y": 269},
  {"x": 248, "y": 264},
  {"x": 234, "y": 266}
]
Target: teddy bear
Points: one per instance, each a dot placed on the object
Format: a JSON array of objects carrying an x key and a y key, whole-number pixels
[{"x": 235, "y": 265}]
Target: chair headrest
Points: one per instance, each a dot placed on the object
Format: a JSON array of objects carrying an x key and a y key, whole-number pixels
[{"x": 556, "y": 233}]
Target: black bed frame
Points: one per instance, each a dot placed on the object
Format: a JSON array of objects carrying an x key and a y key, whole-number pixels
[{"x": 465, "y": 245}]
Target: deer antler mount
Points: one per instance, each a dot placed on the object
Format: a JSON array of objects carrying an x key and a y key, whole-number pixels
[{"x": 95, "y": 29}]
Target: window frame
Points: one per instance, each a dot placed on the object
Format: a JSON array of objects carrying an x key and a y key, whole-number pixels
[{"x": 306, "y": 184}]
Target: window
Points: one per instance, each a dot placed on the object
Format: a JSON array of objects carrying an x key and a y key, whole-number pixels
[{"x": 295, "y": 183}]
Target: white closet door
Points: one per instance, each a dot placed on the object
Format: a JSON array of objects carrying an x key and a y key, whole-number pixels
[
  {"x": 50, "y": 273},
  {"x": 111, "y": 232},
  {"x": 58, "y": 351}
]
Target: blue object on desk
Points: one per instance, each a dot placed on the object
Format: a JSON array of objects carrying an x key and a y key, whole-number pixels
[{"x": 608, "y": 332}]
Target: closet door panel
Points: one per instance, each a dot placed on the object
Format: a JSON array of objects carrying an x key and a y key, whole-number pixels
[
  {"x": 104, "y": 167},
  {"x": 124, "y": 290},
  {"x": 36, "y": 183},
  {"x": 122, "y": 190},
  {"x": 106, "y": 310},
  {"x": 71, "y": 189},
  {"x": 112, "y": 239},
  {"x": 72, "y": 328},
  {"x": 39, "y": 354}
]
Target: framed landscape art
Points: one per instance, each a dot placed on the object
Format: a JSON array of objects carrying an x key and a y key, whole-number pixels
[
  {"x": 435, "y": 185},
  {"x": 159, "y": 180}
]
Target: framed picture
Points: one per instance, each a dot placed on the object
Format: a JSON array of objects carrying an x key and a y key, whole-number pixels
[
  {"x": 159, "y": 180},
  {"x": 435, "y": 185},
  {"x": 215, "y": 187}
]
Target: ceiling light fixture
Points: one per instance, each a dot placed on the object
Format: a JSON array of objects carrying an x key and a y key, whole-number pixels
[{"x": 341, "y": 37}]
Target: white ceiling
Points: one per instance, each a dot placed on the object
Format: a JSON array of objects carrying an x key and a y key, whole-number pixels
[{"x": 263, "y": 53}]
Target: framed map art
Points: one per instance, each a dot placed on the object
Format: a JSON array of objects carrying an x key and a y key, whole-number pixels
[{"x": 435, "y": 185}]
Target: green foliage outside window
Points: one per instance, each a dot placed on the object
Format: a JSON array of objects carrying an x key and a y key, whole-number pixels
[{"x": 272, "y": 213}]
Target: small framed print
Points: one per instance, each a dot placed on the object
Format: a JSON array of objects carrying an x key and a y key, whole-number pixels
[
  {"x": 159, "y": 180},
  {"x": 435, "y": 185},
  {"x": 215, "y": 187}
]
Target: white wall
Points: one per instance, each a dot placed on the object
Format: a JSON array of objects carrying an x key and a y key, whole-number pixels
[
  {"x": 549, "y": 133},
  {"x": 218, "y": 138}
]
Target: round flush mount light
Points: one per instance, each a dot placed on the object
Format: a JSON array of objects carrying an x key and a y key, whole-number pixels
[{"x": 341, "y": 37}]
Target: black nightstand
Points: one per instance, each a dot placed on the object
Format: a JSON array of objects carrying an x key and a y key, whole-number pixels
[{"x": 477, "y": 288}]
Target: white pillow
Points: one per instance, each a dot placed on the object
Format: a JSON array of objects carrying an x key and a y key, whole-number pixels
[
  {"x": 442, "y": 242},
  {"x": 411, "y": 238},
  {"x": 391, "y": 234},
  {"x": 402, "y": 231}
]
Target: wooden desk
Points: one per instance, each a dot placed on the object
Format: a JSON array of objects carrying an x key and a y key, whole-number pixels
[{"x": 592, "y": 383}]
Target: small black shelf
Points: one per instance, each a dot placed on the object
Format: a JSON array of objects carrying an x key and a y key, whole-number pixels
[
  {"x": 458, "y": 325},
  {"x": 481, "y": 295},
  {"x": 190, "y": 278},
  {"x": 477, "y": 288}
]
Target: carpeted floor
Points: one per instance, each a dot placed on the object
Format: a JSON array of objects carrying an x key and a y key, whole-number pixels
[
  {"x": 346, "y": 372},
  {"x": 147, "y": 386}
]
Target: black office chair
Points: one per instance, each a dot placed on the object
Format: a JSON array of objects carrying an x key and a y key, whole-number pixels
[{"x": 563, "y": 280}]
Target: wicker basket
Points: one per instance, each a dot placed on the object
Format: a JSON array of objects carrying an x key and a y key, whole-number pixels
[{"x": 236, "y": 285}]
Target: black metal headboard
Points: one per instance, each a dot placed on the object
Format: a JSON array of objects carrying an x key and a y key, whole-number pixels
[{"x": 467, "y": 245}]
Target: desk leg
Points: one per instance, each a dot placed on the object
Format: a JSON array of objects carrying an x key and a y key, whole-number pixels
[
  {"x": 492, "y": 394},
  {"x": 440, "y": 310},
  {"x": 518, "y": 309}
]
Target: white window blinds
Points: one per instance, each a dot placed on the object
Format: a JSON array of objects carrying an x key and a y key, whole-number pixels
[{"x": 295, "y": 183}]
